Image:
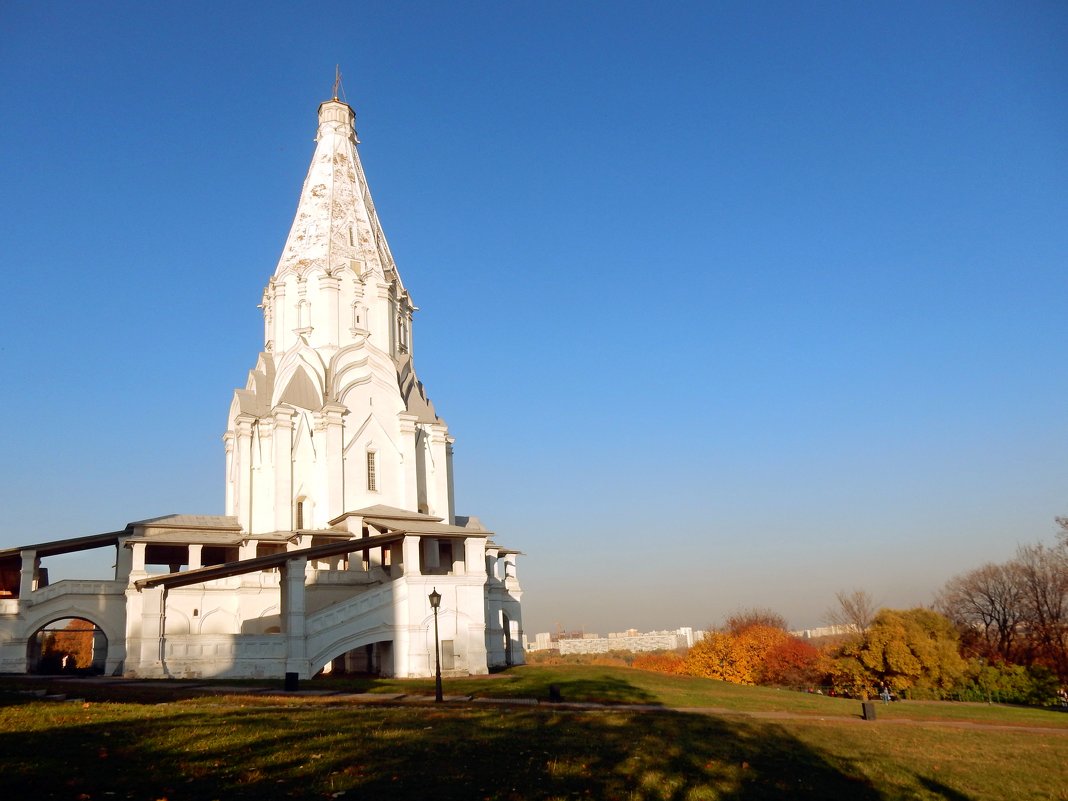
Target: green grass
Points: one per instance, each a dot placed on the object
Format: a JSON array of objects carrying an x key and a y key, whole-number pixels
[
  {"x": 617, "y": 685},
  {"x": 274, "y": 746}
]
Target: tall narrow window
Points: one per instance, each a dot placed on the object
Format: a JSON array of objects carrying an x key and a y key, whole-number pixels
[
  {"x": 300, "y": 515},
  {"x": 372, "y": 478}
]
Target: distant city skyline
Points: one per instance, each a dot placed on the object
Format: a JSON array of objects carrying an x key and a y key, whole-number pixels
[{"x": 726, "y": 305}]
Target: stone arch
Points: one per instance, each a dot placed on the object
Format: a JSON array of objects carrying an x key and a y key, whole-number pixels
[
  {"x": 71, "y": 649},
  {"x": 453, "y": 625},
  {"x": 377, "y": 637},
  {"x": 176, "y": 622},
  {"x": 506, "y": 625},
  {"x": 301, "y": 359},
  {"x": 301, "y": 392},
  {"x": 268, "y": 621},
  {"x": 218, "y": 621}
]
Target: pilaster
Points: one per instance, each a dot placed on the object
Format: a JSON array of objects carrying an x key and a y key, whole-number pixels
[
  {"x": 228, "y": 447},
  {"x": 410, "y": 478},
  {"x": 475, "y": 555},
  {"x": 279, "y": 337},
  {"x": 410, "y": 555},
  {"x": 330, "y": 423},
  {"x": 438, "y": 476},
  {"x": 451, "y": 518},
  {"x": 329, "y": 293},
  {"x": 123, "y": 561},
  {"x": 293, "y": 607},
  {"x": 282, "y": 443},
  {"x": 29, "y": 573},
  {"x": 243, "y": 446}
]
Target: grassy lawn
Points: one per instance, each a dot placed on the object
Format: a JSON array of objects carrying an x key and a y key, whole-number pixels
[
  {"x": 256, "y": 746},
  {"x": 626, "y": 686}
]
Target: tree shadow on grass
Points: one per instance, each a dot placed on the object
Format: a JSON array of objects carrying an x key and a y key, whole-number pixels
[
  {"x": 594, "y": 687},
  {"x": 193, "y": 752}
]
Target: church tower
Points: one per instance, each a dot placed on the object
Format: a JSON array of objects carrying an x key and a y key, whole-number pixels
[{"x": 332, "y": 418}]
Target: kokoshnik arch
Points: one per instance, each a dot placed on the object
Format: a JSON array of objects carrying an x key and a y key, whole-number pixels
[{"x": 339, "y": 494}]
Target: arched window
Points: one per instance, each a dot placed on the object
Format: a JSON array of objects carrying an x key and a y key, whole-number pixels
[{"x": 300, "y": 514}]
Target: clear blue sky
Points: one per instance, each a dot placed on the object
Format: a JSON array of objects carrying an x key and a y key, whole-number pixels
[{"x": 727, "y": 304}]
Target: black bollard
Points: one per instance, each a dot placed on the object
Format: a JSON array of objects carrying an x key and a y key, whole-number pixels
[{"x": 291, "y": 682}]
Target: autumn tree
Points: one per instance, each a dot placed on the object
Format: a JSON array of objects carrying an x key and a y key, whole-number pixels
[
  {"x": 754, "y": 654},
  {"x": 792, "y": 663},
  {"x": 74, "y": 641},
  {"x": 906, "y": 650},
  {"x": 660, "y": 662}
]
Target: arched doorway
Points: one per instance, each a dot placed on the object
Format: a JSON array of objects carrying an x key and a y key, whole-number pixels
[
  {"x": 68, "y": 645},
  {"x": 507, "y": 640}
]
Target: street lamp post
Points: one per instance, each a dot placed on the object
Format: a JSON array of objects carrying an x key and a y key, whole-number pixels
[{"x": 435, "y": 602}]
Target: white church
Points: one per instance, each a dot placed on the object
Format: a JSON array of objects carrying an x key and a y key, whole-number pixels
[{"x": 339, "y": 496}]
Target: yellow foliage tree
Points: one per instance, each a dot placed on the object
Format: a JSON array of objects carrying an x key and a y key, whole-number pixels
[
  {"x": 739, "y": 657},
  {"x": 915, "y": 648}
]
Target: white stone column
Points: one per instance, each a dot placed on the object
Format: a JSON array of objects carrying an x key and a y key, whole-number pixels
[
  {"x": 451, "y": 518},
  {"x": 428, "y": 549},
  {"x": 282, "y": 458},
  {"x": 374, "y": 555},
  {"x": 243, "y": 447},
  {"x": 511, "y": 580},
  {"x": 409, "y": 454},
  {"x": 29, "y": 573},
  {"x": 280, "y": 335},
  {"x": 265, "y": 305},
  {"x": 330, "y": 421},
  {"x": 123, "y": 561},
  {"x": 152, "y": 600},
  {"x": 329, "y": 299},
  {"x": 475, "y": 555},
  {"x": 492, "y": 552},
  {"x": 137, "y": 560},
  {"x": 437, "y": 491},
  {"x": 410, "y": 554},
  {"x": 196, "y": 552},
  {"x": 293, "y": 607},
  {"x": 228, "y": 446},
  {"x": 382, "y": 318}
]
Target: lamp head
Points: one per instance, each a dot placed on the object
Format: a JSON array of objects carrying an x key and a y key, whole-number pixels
[{"x": 435, "y": 598}]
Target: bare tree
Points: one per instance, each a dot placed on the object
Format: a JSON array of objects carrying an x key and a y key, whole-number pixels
[
  {"x": 987, "y": 604},
  {"x": 1044, "y": 574},
  {"x": 747, "y": 618},
  {"x": 855, "y": 610}
]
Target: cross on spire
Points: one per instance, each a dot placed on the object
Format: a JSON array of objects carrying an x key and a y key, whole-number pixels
[{"x": 337, "y": 79}]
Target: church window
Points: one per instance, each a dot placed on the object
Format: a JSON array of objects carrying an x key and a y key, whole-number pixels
[
  {"x": 372, "y": 476},
  {"x": 352, "y": 241},
  {"x": 300, "y": 514},
  {"x": 359, "y": 317}
]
